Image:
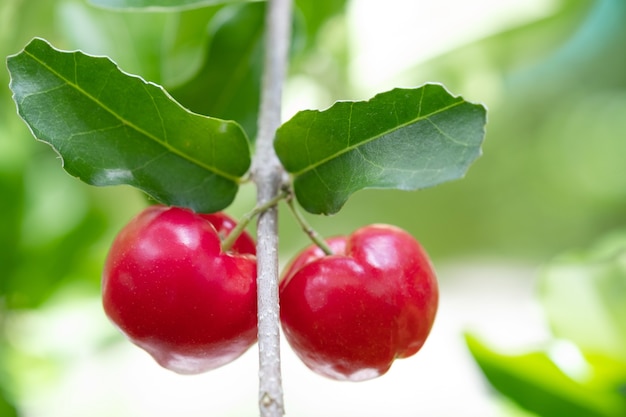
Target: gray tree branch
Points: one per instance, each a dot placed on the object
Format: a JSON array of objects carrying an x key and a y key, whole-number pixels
[{"x": 268, "y": 175}]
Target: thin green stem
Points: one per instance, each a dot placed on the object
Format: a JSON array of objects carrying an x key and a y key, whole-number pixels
[
  {"x": 310, "y": 232},
  {"x": 229, "y": 241}
]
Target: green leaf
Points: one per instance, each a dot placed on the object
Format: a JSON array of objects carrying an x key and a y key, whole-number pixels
[
  {"x": 584, "y": 296},
  {"x": 7, "y": 405},
  {"x": 228, "y": 84},
  {"x": 537, "y": 384},
  {"x": 113, "y": 128},
  {"x": 167, "y": 48},
  {"x": 135, "y": 41},
  {"x": 405, "y": 139},
  {"x": 186, "y": 46},
  {"x": 6, "y": 408},
  {"x": 160, "y": 4},
  {"x": 317, "y": 12},
  {"x": 11, "y": 213}
]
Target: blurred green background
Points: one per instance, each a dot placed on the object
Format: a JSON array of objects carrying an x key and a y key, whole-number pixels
[{"x": 552, "y": 178}]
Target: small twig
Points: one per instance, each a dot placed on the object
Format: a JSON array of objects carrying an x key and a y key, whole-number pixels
[
  {"x": 230, "y": 240},
  {"x": 310, "y": 232}
]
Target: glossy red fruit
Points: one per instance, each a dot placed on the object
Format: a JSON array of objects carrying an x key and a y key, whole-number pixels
[
  {"x": 171, "y": 290},
  {"x": 224, "y": 224},
  {"x": 349, "y": 315}
]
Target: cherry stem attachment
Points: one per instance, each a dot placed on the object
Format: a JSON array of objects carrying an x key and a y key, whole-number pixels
[
  {"x": 229, "y": 241},
  {"x": 310, "y": 232}
]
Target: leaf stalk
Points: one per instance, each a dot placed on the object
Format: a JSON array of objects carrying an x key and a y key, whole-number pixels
[
  {"x": 230, "y": 240},
  {"x": 310, "y": 232}
]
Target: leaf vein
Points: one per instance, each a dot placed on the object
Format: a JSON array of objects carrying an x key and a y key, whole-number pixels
[
  {"x": 350, "y": 148},
  {"x": 128, "y": 122},
  {"x": 446, "y": 135}
]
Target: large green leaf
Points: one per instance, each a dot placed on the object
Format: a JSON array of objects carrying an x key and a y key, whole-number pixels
[
  {"x": 536, "y": 383},
  {"x": 159, "y": 4},
  {"x": 113, "y": 128},
  {"x": 584, "y": 296},
  {"x": 228, "y": 84},
  {"x": 404, "y": 139}
]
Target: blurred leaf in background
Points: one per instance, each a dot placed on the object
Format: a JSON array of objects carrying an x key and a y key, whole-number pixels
[
  {"x": 7, "y": 409},
  {"x": 227, "y": 86},
  {"x": 535, "y": 382},
  {"x": 582, "y": 371},
  {"x": 584, "y": 296}
]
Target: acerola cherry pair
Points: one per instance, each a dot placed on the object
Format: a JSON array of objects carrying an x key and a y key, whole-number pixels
[{"x": 172, "y": 290}]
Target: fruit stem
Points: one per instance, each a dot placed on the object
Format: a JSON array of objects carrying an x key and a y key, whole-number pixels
[
  {"x": 229, "y": 241},
  {"x": 310, "y": 232}
]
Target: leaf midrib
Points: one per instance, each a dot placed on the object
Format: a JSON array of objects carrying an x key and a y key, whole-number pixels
[
  {"x": 128, "y": 122},
  {"x": 348, "y": 149}
]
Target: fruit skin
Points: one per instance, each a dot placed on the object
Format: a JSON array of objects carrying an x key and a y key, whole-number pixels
[
  {"x": 349, "y": 315},
  {"x": 224, "y": 224},
  {"x": 172, "y": 291}
]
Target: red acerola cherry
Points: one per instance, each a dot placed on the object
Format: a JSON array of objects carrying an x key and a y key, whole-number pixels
[
  {"x": 224, "y": 224},
  {"x": 169, "y": 287},
  {"x": 349, "y": 315}
]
